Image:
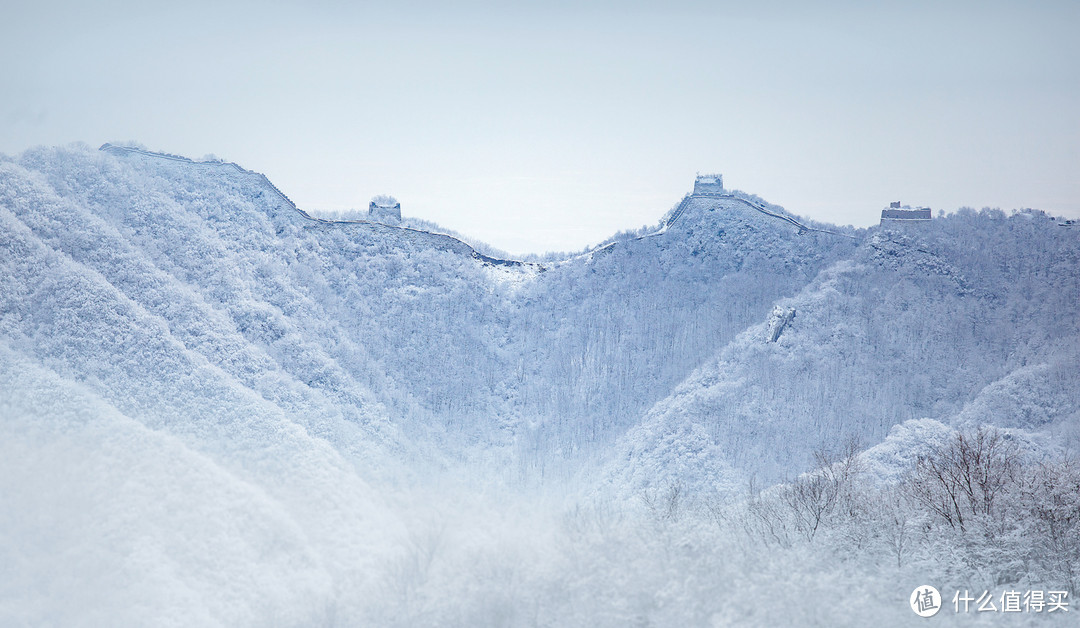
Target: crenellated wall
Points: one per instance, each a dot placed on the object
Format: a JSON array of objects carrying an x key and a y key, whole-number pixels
[{"x": 709, "y": 184}]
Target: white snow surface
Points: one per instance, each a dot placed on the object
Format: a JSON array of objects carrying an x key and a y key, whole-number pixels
[{"x": 216, "y": 411}]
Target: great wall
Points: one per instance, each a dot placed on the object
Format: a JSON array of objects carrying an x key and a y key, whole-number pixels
[
  {"x": 707, "y": 186},
  {"x": 442, "y": 240}
]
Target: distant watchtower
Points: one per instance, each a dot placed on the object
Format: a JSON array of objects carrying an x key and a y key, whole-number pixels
[
  {"x": 385, "y": 209},
  {"x": 709, "y": 184},
  {"x": 897, "y": 214}
]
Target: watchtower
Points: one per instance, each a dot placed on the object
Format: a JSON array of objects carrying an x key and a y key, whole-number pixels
[
  {"x": 895, "y": 213},
  {"x": 385, "y": 209},
  {"x": 709, "y": 184}
]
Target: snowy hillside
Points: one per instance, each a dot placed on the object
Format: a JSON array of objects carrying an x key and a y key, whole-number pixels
[
  {"x": 220, "y": 410},
  {"x": 914, "y": 324}
]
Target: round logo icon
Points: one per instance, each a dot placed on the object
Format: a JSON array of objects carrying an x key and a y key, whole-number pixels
[{"x": 925, "y": 601}]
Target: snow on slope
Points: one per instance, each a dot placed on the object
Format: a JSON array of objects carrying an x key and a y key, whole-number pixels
[
  {"x": 108, "y": 522},
  {"x": 312, "y": 409},
  {"x": 383, "y": 339},
  {"x": 915, "y": 325}
]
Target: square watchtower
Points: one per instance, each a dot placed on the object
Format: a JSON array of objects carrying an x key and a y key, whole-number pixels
[{"x": 709, "y": 184}]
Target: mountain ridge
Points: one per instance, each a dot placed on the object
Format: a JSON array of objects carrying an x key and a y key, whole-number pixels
[{"x": 339, "y": 387}]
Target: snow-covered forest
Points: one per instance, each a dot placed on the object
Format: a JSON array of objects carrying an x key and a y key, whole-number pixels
[{"x": 218, "y": 410}]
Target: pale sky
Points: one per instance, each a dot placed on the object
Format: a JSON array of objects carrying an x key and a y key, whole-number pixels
[{"x": 552, "y": 125}]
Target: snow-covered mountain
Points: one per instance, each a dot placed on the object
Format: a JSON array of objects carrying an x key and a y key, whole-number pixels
[
  {"x": 967, "y": 319},
  {"x": 223, "y": 403}
]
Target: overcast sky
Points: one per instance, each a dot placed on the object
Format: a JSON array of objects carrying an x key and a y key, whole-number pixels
[{"x": 552, "y": 125}]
